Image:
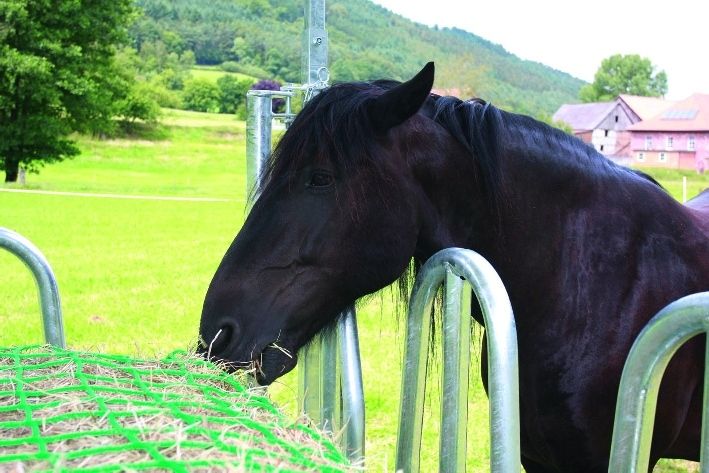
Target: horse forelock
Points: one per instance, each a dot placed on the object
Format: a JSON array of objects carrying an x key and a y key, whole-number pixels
[{"x": 332, "y": 128}]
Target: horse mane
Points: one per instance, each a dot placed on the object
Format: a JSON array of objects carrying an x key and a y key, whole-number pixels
[
  {"x": 475, "y": 124},
  {"x": 487, "y": 132},
  {"x": 334, "y": 126}
]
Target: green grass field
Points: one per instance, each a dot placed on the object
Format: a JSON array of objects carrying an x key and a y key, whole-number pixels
[{"x": 133, "y": 272}]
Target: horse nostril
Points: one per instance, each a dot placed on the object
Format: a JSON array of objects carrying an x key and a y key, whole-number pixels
[{"x": 221, "y": 339}]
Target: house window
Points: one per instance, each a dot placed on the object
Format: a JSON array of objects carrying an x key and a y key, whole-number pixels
[
  {"x": 669, "y": 142},
  {"x": 690, "y": 143},
  {"x": 601, "y": 147},
  {"x": 641, "y": 156},
  {"x": 616, "y": 118},
  {"x": 605, "y": 132},
  {"x": 648, "y": 143},
  {"x": 662, "y": 157}
]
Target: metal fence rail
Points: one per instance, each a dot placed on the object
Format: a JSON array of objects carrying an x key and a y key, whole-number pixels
[
  {"x": 46, "y": 284},
  {"x": 453, "y": 267},
  {"x": 640, "y": 382}
]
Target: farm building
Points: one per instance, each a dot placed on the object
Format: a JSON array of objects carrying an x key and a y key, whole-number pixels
[
  {"x": 605, "y": 124},
  {"x": 676, "y": 138},
  {"x": 599, "y": 124}
]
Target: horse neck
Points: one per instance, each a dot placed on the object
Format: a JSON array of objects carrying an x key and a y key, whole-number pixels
[{"x": 552, "y": 190}]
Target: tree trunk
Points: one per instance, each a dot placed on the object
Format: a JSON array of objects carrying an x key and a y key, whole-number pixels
[{"x": 12, "y": 169}]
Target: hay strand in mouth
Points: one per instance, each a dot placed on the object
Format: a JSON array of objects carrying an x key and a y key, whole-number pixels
[
  {"x": 283, "y": 350},
  {"x": 61, "y": 409}
]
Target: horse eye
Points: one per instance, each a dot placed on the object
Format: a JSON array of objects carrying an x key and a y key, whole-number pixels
[{"x": 320, "y": 180}]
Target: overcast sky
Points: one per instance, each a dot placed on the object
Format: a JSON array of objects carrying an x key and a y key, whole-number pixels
[{"x": 574, "y": 36}]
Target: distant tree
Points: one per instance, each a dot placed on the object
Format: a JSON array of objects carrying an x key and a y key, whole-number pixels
[
  {"x": 240, "y": 49},
  {"x": 629, "y": 74},
  {"x": 58, "y": 76},
  {"x": 201, "y": 95},
  {"x": 232, "y": 93}
]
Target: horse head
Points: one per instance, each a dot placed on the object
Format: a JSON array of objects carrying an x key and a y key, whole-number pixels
[{"x": 339, "y": 215}]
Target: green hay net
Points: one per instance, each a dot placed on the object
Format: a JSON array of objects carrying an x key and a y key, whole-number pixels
[{"x": 65, "y": 410}]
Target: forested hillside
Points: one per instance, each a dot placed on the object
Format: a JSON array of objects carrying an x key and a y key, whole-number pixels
[{"x": 262, "y": 38}]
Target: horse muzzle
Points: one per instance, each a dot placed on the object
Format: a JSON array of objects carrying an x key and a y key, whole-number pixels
[
  {"x": 265, "y": 361},
  {"x": 273, "y": 362}
]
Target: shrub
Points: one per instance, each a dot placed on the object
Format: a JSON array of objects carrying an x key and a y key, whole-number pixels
[
  {"x": 201, "y": 95},
  {"x": 232, "y": 93},
  {"x": 138, "y": 105},
  {"x": 230, "y": 66},
  {"x": 174, "y": 79},
  {"x": 163, "y": 96}
]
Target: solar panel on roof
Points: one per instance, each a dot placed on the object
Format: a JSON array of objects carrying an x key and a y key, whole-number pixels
[{"x": 679, "y": 114}]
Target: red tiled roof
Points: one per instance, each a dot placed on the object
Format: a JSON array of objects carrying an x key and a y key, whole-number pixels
[{"x": 690, "y": 114}]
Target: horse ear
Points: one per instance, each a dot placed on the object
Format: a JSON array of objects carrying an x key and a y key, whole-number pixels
[{"x": 395, "y": 106}]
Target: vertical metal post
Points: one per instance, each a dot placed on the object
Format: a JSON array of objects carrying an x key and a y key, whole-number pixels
[
  {"x": 46, "y": 284},
  {"x": 352, "y": 392},
  {"x": 315, "y": 44},
  {"x": 258, "y": 136},
  {"x": 456, "y": 372},
  {"x": 640, "y": 382},
  {"x": 502, "y": 363},
  {"x": 330, "y": 381},
  {"x": 312, "y": 359},
  {"x": 413, "y": 378},
  {"x": 704, "y": 452}
]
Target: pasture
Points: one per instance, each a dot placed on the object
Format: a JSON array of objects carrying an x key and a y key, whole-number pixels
[{"x": 133, "y": 272}]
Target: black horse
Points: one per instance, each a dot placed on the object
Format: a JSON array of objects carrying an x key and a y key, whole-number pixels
[{"x": 370, "y": 175}]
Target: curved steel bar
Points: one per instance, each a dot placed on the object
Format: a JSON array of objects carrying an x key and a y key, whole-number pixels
[
  {"x": 640, "y": 382},
  {"x": 502, "y": 361},
  {"x": 46, "y": 284}
]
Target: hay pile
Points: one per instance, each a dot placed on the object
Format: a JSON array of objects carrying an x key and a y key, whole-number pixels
[{"x": 65, "y": 410}]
